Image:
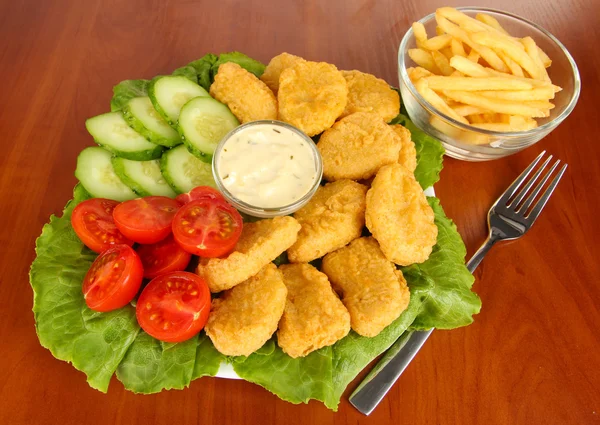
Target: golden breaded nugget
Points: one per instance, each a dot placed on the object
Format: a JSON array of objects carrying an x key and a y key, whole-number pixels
[
  {"x": 368, "y": 284},
  {"x": 408, "y": 152},
  {"x": 314, "y": 316},
  {"x": 245, "y": 317},
  {"x": 312, "y": 95},
  {"x": 248, "y": 98},
  {"x": 333, "y": 218},
  {"x": 399, "y": 216},
  {"x": 275, "y": 67},
  {"x": 367, "y": 93},
  {"x": 357, "y": 146},
  {"x": 259, "y": 244}
]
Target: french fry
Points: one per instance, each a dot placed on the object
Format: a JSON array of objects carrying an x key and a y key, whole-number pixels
[
  {"x": 544, "y": 57},
  {"x": 439, "y": 31},
  {"x": 473, "y": 56},
  {"x": 517, "y": 54},
  {"x": 437, "y": 43},
  {"x": 420, "y": 33},
  {"x": 440, "y": 83},
  {"x": 467, "y": 67},
  {"x": 539, "y": 104},
  {"x": 457, "y": 74},
  {"x": 457, "y": 48},
  {"x": 490, "y": 21},
  {"x": 535, "y": 83},
  {"x": 466, "y": 110},
  {"x": 447, "y": 51},
  {"x": 415, "y": 74},
  {"x": 476, "y": 119},
  {"x": 442, "y": 63},
  {"x": 436, "y": 101},
  {"x": 488, "y": 54},
  {"x": 516, "y": 123},
  {"x": 495, "y": 105},
  {"x": 424, "y": 59},
  {"x": 537, "y": 93},
  {"x": 534, "y": 53},
  {"x": 515, "y": 69}
]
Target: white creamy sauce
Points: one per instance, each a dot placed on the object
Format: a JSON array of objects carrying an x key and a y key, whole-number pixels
[{"x": 267, "y": 166}]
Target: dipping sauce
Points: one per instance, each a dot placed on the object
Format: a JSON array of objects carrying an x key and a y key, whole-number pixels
[{"x": 267, "y": 165}]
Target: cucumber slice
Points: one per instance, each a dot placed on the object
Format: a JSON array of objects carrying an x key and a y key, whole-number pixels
[
  {"x": 183, "y": 171},
  {"x": 143, "y": 177},
  {"x": 143, "y": 118},
  {"x": 202, "y": 123},
  {"x": 112, "y": 133},
  {"x": 168, "y": 94},
  {"x": 96, "y": 174}
]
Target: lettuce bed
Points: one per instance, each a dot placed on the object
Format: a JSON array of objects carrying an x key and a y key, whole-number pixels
[{"x": 101, "y": 344}]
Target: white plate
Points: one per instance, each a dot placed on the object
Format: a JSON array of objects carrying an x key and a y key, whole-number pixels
[{"x": 226, "y": 370}]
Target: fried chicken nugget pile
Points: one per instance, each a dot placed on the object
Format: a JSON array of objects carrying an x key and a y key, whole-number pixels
[
  {"x": 314, "y": 316},
  {"x": 357, "y": 146},
  {"x": 333, "y": 218},
  {"x": 248, "y": 98},
  {"x": 367, "y": 93},
  {"x": 311, "y": 96},
  {"x": 373, "y": 291},
  {"x": 259, "y": 244},
  {"x": 275, "y": 67},
  {"x": 245, "y": 317},
  {"x": 408, "y": 152},
  {"x": 399, "y": 216}
]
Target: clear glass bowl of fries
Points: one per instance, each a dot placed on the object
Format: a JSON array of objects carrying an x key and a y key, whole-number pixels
[{"x": 486, "y": 83}]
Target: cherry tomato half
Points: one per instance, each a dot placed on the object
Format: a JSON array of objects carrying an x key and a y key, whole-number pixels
[
  {"x": 200, "y": 192},
  {"x": 93, "y": 222},
  {"x": 146, "y": 220},
  {"x": 113, "y": 279},
  {"x": 163, "y": 257},
  {"x": 174, "y": 307},
  {"x": 207, "y": 227}
]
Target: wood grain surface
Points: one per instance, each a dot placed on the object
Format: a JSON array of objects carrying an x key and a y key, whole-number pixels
[{"x": 531, "y": 357}]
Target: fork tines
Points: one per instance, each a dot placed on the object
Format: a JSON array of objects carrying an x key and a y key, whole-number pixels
[{"x": 521, "y": 201}]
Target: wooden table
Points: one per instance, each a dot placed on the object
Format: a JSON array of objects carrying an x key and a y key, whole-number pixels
[{"x": 532, "y": 355}]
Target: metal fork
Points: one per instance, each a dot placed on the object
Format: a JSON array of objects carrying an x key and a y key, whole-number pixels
[{"x": 510, "y": 217}]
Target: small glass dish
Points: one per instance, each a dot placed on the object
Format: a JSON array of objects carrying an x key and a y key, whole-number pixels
[
  {"x": 473, "y": 144},
  {"x": 259, "y": 211}
]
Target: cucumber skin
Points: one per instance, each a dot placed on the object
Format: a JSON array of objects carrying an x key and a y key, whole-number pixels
[
  {"x": 167, "y": 176},
  {"x": 149, "y": 135},
  {"x": 146, "y": 155},
  {"x": 131, "y": 184},
  {"x": 202, "y": 156}
]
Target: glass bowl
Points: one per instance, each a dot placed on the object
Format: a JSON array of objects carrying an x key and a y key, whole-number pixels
[
  {"x": 473, "y": 144},
  {"x": 264, "y": 212}
]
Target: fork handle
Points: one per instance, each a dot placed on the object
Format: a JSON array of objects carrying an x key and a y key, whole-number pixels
[{"x": 382, "y": 377}]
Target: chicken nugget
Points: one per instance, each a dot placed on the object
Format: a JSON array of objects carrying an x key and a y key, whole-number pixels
[
  {"x": 275, "y": 67},
  {"x": 369, "y": 285},
  {"x": 367, "y": 93},
  {"x": 248, "y": 98},
  {"x": 245, "y": 317},
  {"x": 333, "y": 218},
  {"x": 357, "y": 146},
  {"x": 312, "y": 95},
  {"x": 314, "y": 316},
  {"x": 259, "y": 244},
  {"x": 408, "y": 152},
  {"x": 399, "y": 216}
]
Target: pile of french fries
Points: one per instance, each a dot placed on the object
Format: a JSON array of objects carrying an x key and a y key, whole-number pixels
[{"x": 476, "y": 73}]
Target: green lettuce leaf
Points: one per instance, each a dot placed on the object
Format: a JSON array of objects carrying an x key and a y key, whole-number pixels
[
  {"x": 151, "y": 366},
  {"x": 202, "y": 67},
  {"x": 249, "y": 64},
  {"x": 443, "y": 282},
  {"x": 126, "y": 90},
  {"x": 93, "y": 342},
  {"x": 188, "y": 72},
  {"x": 208, "y": 359},
  {"x": 430, "y": 153}
]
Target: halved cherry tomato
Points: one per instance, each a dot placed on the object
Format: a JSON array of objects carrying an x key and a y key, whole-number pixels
[
  {"x": 200, "y": 192},
  {"x": 146, "y": 220},
  {"x": 163, "y": 257},
  {"x": 174, "y": 307},
  {"x": 207, "y": 227},
  {"x": 93, "y": 222},
  {"x": 113, "y": 279}
]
